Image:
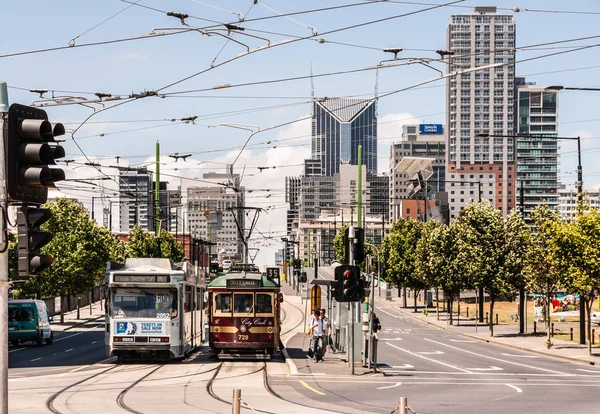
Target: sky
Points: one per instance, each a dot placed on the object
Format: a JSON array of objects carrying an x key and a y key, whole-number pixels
[{"x": 76, "y": 48}]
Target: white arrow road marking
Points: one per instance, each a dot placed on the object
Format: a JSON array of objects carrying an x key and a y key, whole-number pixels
[
  {"x": 390, "y": 386},
  {"x": 405, "y": 366},
  {"x": 491, "y": 368},
  {"x": 513, "y": 387},
  {"x": 429, "y": 359},
  {"x": 463, "y": 340},
  {"x": 431, "y": 353},
  {"x": 520, "y": 356},
  {"x": 499, "y": 359}
]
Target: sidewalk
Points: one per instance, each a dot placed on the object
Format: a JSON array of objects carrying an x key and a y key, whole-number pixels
[
  {"x": 296, "y": 347},
  {"x": 506, "y": 335},
  {"x": 71, "y": 321}
]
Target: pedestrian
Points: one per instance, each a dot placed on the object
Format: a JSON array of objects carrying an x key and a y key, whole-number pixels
[
  {"x": 311, "y": 320},
  {"x": 326, "y": 332},
  {"x": 317, "y": 336}
]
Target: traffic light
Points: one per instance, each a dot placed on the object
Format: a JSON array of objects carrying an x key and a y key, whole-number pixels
[
  {"x": 303, "y": 277},
  {"x": 347, "y": 284},
  {"x": 359, "y": 245},
  {"x": 29, "y": 154},
  {"x": 214, "y": 268},
  {"x": 31, "y": 239}
]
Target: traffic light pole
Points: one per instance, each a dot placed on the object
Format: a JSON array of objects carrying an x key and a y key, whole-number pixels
[
  {"x": 3, "y": 256},
  {"x": 352, "y": 304}
]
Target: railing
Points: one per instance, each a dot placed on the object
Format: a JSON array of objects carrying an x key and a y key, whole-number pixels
[{"x": 66, "y": 304}]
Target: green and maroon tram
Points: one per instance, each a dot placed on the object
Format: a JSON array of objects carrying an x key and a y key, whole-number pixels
[{"x": 244, "y": 314}]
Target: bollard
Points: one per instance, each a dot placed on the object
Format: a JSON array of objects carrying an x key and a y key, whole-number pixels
[
  {"x": 594, "y": 336},
  {"x": 467, "y": 311},
  {"x": 534, "y": 327},
  {"x": 552, "y": 329},
  {"x": 458, "y": 317},
  {"x": 496, "y": 319},
  {"x": 237, "y": 397},
  {"x": 402, "y": 405},
  {"x": 486, "y": 317},
  {"x": 571, "y": 333}
]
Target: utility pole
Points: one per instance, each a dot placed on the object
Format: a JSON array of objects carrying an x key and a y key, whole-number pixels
[
  {"x": 359, "y": 199},
  {"x": 582, "y": 304},
  {"x": 4, "y": 283},
  {"x": 522, "y": 290}
]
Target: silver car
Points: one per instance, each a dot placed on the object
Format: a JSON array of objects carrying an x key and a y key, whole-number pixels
[{"x": 595, "y": 317}]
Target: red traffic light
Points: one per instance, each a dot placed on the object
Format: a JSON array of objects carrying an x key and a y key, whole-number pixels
[{"x": 347, "y": 274}]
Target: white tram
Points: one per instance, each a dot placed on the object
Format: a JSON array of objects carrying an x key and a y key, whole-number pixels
[{"x": 154, "y": 309}]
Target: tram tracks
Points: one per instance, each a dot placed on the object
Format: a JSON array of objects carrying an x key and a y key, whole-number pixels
[{"x": 121, "y": 396}]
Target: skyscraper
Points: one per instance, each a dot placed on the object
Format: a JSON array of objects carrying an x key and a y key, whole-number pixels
[
  {"x": 480, "y": 107},
  {"x": 339, "y": 126},
  {"x": 537, "y": 156}
]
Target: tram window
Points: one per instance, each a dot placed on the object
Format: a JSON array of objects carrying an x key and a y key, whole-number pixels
[
  {"x": 243, "y": 302},
  {"x": 189, "y": 299},
  {"x": 223, "y": 303},
  {"x": 140, "y": 303},
  {"x": 264, "y": 303}
]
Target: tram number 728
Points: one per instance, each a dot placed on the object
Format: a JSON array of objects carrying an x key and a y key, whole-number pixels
[{"x": 242, "y": 337}]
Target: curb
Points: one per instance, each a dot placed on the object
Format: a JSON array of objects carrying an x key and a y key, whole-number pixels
[{"x": 491, "y": 340}]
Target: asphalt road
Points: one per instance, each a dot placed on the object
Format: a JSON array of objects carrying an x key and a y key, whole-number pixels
[{"x": 83, "y": 345}]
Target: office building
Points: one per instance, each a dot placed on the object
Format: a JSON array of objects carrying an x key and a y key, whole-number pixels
[
  {"x": 567, "y": 201},
  {"x": 136, "y": 199},
  {"x": 480, "y": 107},
  {"x": 423, "y": 140},
  {"x": 339, "y": 126},
  {"x": 537, "y": 156}
]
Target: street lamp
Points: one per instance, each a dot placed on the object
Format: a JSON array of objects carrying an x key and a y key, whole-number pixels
[{"x": 579, "y": 199}]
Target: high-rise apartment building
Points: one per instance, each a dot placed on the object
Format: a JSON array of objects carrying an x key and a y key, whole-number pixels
[
  {"x": 135, "y": 199},
  {"x": 537, "y": 155},
  {"x": 423, "y": 140},
  {"x": 339, "y": 126},
  {"x": 480, "y": 107}
]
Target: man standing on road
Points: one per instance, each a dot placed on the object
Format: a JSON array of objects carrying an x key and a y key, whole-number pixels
[{"x": 317, "y": 336}]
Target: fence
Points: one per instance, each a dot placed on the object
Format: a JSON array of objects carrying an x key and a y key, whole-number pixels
[{"x": 70, "y": 303}]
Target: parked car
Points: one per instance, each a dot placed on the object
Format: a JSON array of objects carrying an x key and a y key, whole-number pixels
[
  {"x": 595, "y": 317},
  {"x": 28, "y": 320}
]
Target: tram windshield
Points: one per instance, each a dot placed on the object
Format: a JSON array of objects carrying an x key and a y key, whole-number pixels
[{"x": 144, "y": 303}]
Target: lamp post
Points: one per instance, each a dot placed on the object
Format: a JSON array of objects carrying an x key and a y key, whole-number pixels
[{"x": 579, "y": 199}]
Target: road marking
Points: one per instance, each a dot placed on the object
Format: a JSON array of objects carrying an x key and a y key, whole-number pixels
[
  {"x": 589, "y": 370},
  {"x": 431, "y": 353},
  {"x": 69, "y": 350},
  {"x": 405, "y": 366},
  {"x": 35, "y": 359},
  {"x": 390, "y": 339},
  {"x": 491, "y": 368},
  {"x": 429, "y": 359},
  {"x": 501, "y": 360},
  {"x": 381, "y": 310},
  {"x": 16, "y": 350},
  {"x": 94, "y": 342},
  {"x": 390, "y": 386},
  {"x": 515, "y": 388},
  {"x": 468, "y": 341},
  {"x": 311, "y": 388},
  {"x": 520, "y": 356},
  {"x": 78, "y": 333}
]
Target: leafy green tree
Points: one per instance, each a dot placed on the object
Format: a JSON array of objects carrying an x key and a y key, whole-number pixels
[
  {"x": 497, "y": 249},
  {"x": 441, "y": 258},
  {"x": 579, "y": 252},
  {"x": 79, "y": 247},
  {"x": 398, "y": 255},
  {"x": 144, "y": 244},
  {"x": 340, "y": 250},
  {"x": 542, "y": 262}
]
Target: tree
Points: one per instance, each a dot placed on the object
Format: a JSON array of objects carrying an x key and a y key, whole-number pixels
[
  {"x": 398, "y": 254},
  {"x": 578, "y": 245},
  {"x": 80, "y": 249},
  {"x": 542, "y": 268},
  {"x": 340, "y": 249},
  {"x": 144, "y": 244},
  {"x": 497, "y": 249},
  {"x": 441, "y": 259}
]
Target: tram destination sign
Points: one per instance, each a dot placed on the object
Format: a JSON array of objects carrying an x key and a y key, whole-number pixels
[
  {"x": 243, "y": 283},
  {"x": 141, "y": 278}
]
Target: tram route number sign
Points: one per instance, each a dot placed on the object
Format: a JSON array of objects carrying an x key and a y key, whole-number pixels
[
  {"x": 243, "y": 283},
  {"x": 141, "y": 278},
  {"x": 272, "y": 273}
]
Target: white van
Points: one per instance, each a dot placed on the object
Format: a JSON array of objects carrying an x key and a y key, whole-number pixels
[{"x": 227, "y": 263}]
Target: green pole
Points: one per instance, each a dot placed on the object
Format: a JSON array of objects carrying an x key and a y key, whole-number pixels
[
  {"x": 157, "y": 193},
  {"x": 359, "y": 220}
]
